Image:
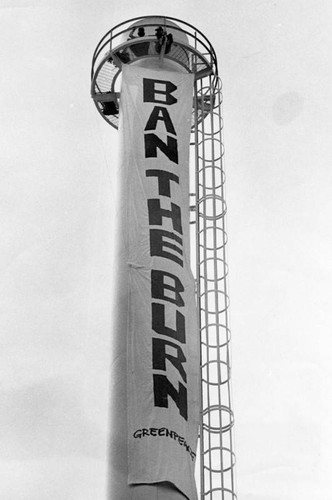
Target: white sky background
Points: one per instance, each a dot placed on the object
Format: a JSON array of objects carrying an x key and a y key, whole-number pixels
[{"x": 58, "y": 165}]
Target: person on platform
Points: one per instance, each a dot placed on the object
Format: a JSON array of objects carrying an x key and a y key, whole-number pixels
[
  {"x": 163, "y": 39},
  {"x": 139, "y": 49},
  {"x": 140, "y": 32}
]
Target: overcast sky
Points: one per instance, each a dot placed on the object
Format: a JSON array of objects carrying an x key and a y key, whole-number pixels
[{"x": 57, "y": 171}]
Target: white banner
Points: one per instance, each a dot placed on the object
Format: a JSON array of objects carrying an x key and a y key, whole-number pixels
[{"x": 163, "y": 340}]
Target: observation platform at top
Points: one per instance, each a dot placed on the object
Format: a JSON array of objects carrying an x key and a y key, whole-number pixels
[{"x": 154, "y": 38}]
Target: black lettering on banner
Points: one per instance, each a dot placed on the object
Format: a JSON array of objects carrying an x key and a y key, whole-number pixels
[
  {"x": 160, "y": 113},
  {"x": 167, "y": 245},
  {"x": 158, "y": 323},
  {"x": 164, "y": 178},
  {"x": 157, "y": 245},
  {"x": 152, "y": 142},
  {"x": 159, "y": 286},
  {"x": 164, "y": 432},
  {"x": 156, "y": 214},
  {"x": 162, "y": 388},
  {"x": 159, "y": 356},
  {"x": 163, "y": 88}
]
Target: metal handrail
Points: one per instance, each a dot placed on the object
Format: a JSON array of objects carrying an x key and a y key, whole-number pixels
[{"x": 116, "y": 32}]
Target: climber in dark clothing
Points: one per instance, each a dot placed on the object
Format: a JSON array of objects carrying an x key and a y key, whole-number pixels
[
  {"x": 169, "y": 41},
  {"x": 141, "y": 32},
  {"x": 159, "y": 32},
  {"x": 161, "y": 35},
  {"x": 163, "y": 38},
  {"x": 139, "y": 49}
]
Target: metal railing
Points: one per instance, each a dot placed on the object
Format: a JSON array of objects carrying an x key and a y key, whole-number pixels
[{"x": 190, "y": 49}]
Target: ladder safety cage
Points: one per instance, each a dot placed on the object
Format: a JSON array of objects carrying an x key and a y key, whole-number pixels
[{"x": 217, "y": 458}]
